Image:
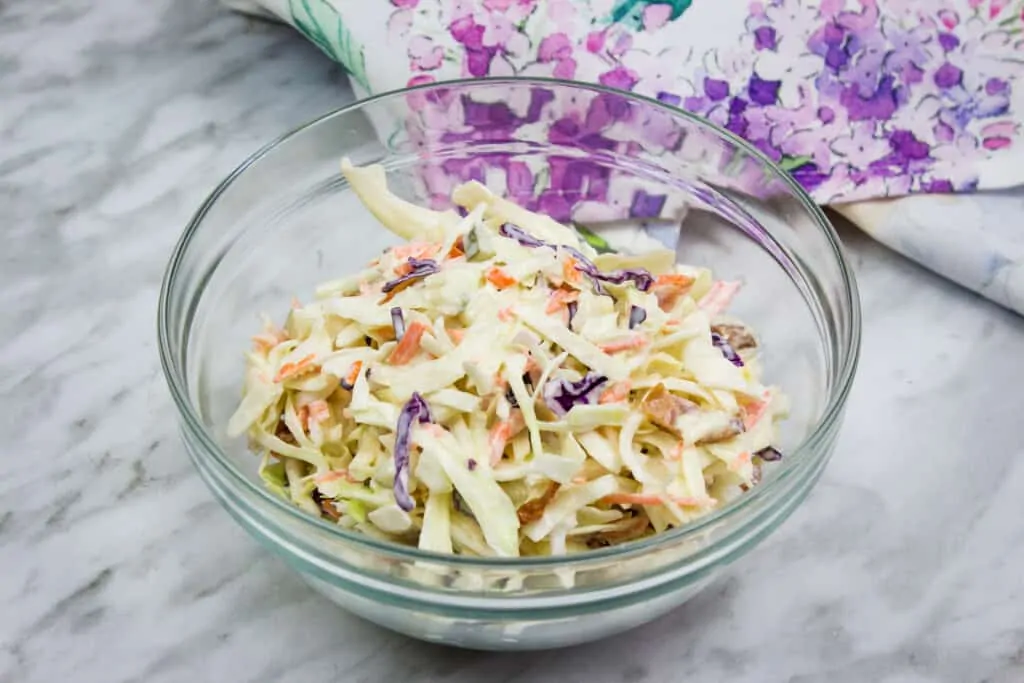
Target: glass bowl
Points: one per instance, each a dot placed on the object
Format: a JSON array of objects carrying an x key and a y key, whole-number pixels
[{"x": 286, "y": 220}]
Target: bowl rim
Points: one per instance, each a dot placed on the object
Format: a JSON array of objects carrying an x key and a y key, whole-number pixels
[{"x": 848, "y": 352}]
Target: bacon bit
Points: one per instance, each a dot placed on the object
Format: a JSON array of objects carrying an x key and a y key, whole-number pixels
[
  {"x": 456, "y": 334},
  {"x": 559, "y": 298},
  {"x": 663, "y": 407},
  {"x": 353, "y": 373},
  {"x": 329, "y": 509},
  {"x": 420, "y": 250},
  {"x": 457, "y": 249},
  {"x": 634, "y": 529},
  {"x": 407, "y": 349},
  {"x": 719, "y": 296},
  {"x": 634, "y": 342},
  {"x": 318, "y": 411},
  {"x": 615, "y": 393},
  {"x": 290, "y": 370},
  {"x": 506, "y": 314},
  {"x": 753, "y": 412},
  {"x": 501, "y": 433},
  {"x": 570, "y": 270},
  {"x": 499, "y": 278},
  {"x": 533, "y": 509}
]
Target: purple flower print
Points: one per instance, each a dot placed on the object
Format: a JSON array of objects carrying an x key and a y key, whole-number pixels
[
  {"x": 765, "y": 38},
  {"x": 620, "y": 77},
  {"x": 646, "y": 205},
  {"x": 761, "y": 91},
  {"x": 860, "y": 149},
  {"x": 424, "y": 55},
  {"x": 715, "y": 89},
  {"x": 948, "y": 76},
  {"x": 880, "y": 106}
]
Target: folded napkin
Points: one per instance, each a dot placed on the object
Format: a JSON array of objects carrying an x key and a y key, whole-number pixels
[{"x": 903, "y": 114}]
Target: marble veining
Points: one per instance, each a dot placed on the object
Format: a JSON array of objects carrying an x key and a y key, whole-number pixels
[{"x": 116, "y": 118}]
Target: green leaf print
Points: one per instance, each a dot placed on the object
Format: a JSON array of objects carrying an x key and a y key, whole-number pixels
[
  {"x": 790, "y": 164},
  {"x": 631, "y": 12},
  {"x": 320, "y": 22}
]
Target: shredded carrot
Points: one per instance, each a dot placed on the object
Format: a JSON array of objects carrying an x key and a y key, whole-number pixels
[
  {"x": 634, "y": 342},
  {"x": 497, "y": 439},
  {"x": 353, "y": 372},
  {"x": 407, "y": 349},
  {"x": 290, "y": 370},
  {"x": 499, "y": 278},
  {"x": 570, "y": 271},
  {"x": 409, "y": 250},
  {"x": 456, "y": 334},
  {"x": 677, "y": 452},
  {"x": 303, "y": 414},
  {"x": 674, "y": 280},
  {"x": 655, "y": 499},
  {"x": 740, "y": 460},
  {"x": 501, "y": 433},
  {"x": 265, "y": 341},
  {"x": 559, "y": 298},
  {"x": 753, "y": 412},
  {"x": 615, "y": 393},
  {"x": 719, "y": 296},
  {"x": 318, "y": 410},
  {"x": 403, "y": 268},
  {"x": 457, "y": 249},
  {"x": 633, "y": 498},
  {"x": 506, "y": 314}
]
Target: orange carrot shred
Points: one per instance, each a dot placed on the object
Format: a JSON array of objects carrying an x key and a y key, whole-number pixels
[
  {"x": 353, "y": 373},
  {"x": 617, "y": 392},
  {"x": 289, "y": 370},
  {"x": 559, "y": 298},
  {"x": 457, "y": 249},
  {"x": 569, "y": 270},
  {"x": 409, "y": 346},
  {"x": 634, "y": 342},
  {"x": 499, "y": 278}
]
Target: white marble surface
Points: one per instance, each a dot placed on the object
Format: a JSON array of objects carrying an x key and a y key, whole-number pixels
[{"x": 905, "y": 566}]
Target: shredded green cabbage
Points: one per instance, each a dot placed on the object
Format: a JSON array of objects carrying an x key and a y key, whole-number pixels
[{"x": 575, "y": 400}]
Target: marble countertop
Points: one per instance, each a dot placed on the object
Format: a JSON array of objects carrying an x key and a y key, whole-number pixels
[{"x": 906, "y": 565}]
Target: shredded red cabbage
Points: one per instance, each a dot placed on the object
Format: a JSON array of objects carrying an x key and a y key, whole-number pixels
[
  {"x": 421, "y": 268},
  {"x": 638, "y": 276},
  {"x": 561, "y": 395},
  {"x": 572, "y": 307},
  {"x": 519, "y": 235},
  {"x": 725, "y": 347},
  {"x": 398, "y": 322},
  {"x": 636, "y": 316},
  {"x": 769, "y": 454},
  {"x": 416, "y": 410}
]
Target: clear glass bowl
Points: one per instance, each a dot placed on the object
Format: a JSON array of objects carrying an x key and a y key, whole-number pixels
[{"x": 286, "y": 220}]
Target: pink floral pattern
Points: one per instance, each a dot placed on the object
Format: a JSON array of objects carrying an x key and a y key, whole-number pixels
[{"x": 857, "y": 99}]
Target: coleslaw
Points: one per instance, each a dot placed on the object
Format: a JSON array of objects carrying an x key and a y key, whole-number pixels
[{"x": 496, "y": 387}]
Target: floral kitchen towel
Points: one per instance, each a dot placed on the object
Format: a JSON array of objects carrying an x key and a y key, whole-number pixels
[{"x": 858, "y": 99}]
